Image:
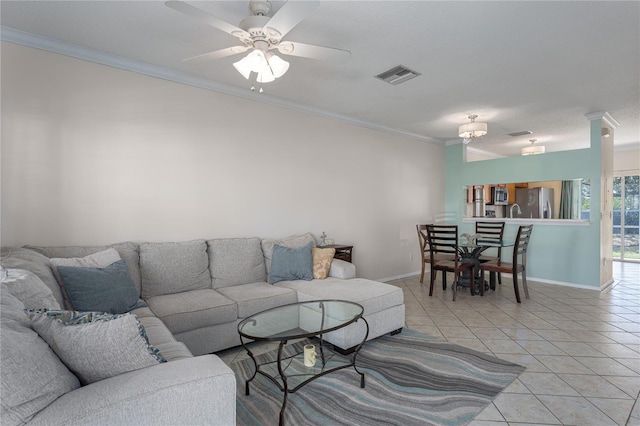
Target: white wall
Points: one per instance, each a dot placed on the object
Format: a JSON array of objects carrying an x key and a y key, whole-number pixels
[
  {"x": 93, "y": 155},
  {"x": 626, "y": 162}
]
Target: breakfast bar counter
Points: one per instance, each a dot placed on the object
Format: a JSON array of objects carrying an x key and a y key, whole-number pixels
[{"x": 527, "y": 221}]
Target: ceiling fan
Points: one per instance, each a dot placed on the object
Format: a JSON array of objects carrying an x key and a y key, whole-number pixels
[{"x": 261, "y": 34}]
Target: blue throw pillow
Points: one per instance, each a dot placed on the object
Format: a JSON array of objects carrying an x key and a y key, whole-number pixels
[
  {"x": 109, "y": 289},
  {"x": 289, "y": 264}
]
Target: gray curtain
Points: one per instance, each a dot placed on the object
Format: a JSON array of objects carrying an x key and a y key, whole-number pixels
[{"x": 570, "y": 199}]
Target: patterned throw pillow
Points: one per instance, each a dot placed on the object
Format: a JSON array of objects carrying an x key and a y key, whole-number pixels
[
  {"x": 96, "y": 345},
  {"x": 322, "y": 258}
]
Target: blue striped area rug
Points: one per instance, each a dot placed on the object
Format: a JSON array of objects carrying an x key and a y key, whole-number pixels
[{"x": 411, "y": 379}]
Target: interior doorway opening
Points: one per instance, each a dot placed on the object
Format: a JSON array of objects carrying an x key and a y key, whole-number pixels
[{"x": 626, "y": 218}]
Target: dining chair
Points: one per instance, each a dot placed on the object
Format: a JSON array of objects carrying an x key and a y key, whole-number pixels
[
  {"x": 517, "y": 265},
  {"x": 423, "y": 240},
  {"x": 444, "y": 255},
  {"x": 492, "y": 231}
]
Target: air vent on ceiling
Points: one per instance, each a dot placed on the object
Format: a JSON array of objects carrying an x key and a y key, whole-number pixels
[
  {"x": 397, "y": 75},
  {"x": 522, "y": 133}
]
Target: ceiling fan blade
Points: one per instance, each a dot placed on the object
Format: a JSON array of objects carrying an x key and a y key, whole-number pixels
[
  {"x": 290, "y": 15},
  {"x": 203, "y": 16},
  {"x": 217, "y": 54},
  {"x": 313, "y": 51}
]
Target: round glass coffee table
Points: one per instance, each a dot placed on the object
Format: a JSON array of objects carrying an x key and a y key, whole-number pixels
[{"x": 299, "y": 321}]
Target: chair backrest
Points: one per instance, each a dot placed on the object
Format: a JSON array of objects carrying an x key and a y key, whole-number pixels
[
  {"x": 490, "y": 230},
  {"x": 443, "y": 239},
  {"x": 522, "y": 244},
  {"x": 423, "y": 239}
]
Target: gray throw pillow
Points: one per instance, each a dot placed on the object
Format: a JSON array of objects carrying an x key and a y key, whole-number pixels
[
  {"x": 288, "y": 264},
  {"x": 94, "y": 260},
  {"x": 96, "y": 345},
  {"x": 109, "y": 289},
  {"x": 28, "y": 288}
]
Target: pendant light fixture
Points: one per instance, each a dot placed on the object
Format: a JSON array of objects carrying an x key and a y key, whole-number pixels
[
  {"x": 533, "y": 149},
  {"x": 472, "y": 130}
]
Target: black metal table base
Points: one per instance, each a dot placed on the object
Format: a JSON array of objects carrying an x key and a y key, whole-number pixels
[{"x": 284, "y": 386}]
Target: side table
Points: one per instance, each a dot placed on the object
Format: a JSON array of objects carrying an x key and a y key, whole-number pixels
[{"x": 343, "y": 252}]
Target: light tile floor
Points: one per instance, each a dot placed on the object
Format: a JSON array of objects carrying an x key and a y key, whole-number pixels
[{"x": 581, "y": 347}]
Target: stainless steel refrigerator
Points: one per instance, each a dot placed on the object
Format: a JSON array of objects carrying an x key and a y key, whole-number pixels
[{"x": 535, "y": 203}]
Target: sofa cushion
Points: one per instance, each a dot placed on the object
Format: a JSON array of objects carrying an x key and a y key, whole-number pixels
[
  {"x": 21, "y": 258},
  {"x": 32, "y": 376},
  {"x": 257, "y": 297},
  {"x": 322, "y": 258},
  {"x": 168, "y": 268},
  {"x": 109, "y": 289},
  {"x": 291, "y": 263},
  {"x": 294, "y": 241},
  {"x": 190, "y": 310},
  {"x": 28, "y": 288},
  {"x": 160, "y": 337},
  {"x": 96, "y": 345},
  {"x": 234, "y": 261},
  {"x": 128, "y": 252},
  {"x": 374, "y": 296}
]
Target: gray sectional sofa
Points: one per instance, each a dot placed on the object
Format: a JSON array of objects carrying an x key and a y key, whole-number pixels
[{"x": 196, "y": 293}]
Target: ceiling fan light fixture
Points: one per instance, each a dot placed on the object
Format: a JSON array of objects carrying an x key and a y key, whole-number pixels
[
  {"x": 268, "y": 66},
  {"x": 472, "y": 130},
  {"x": 250, "y": 63},
  {"x": 278, "y": 65},
  {"x": 533, "y": 149}
]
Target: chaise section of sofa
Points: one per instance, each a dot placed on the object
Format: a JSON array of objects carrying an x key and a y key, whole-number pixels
[{"x": 383, "y": 306}]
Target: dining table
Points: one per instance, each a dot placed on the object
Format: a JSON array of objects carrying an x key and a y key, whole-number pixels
[{"x": 470, "y": 247}]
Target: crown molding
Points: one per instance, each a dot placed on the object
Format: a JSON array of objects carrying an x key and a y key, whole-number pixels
[
  {"x": 48, "y": 44},
  {"x": 605, "y": 116}
]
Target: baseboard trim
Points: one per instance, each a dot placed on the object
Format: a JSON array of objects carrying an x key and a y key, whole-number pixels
[{"x": 529, "y": 279}]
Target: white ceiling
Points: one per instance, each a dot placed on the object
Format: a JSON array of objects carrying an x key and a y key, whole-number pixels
[{"x": 518, "y": 65}]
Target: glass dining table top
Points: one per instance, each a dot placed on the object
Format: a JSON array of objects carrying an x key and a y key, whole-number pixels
[
  {"x": 473, "y": 241},
  {"x": 473, "y": 245},
  {"x": 298, "y": 320}
]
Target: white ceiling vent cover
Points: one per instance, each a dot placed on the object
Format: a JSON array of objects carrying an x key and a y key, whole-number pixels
[{"x": 397, "y": 75}]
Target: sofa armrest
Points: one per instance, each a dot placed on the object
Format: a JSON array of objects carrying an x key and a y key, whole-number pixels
[
  {"x": 199, "y": 390},
  {"x": 342, "y": 269}
]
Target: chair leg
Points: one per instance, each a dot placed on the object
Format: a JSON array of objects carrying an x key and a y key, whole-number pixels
[
  {"x": 515, "y": 285},
  {"x": 432, "y": 273},
  {"x": 444, "y": 279},
  {"x": 499, "y": 279},
  {"x": 473, "y": 279},
  {"x": 492, "y": 279},
  {"x": 454, "y": 286},
  {"x": 524, "y": 283},
  {"x": 422, "y": 273}
]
